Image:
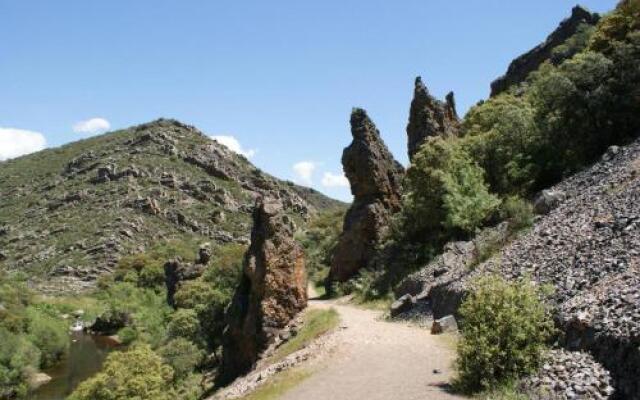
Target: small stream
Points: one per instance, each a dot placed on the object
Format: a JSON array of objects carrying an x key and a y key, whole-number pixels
[{"x": 86, "y": 355}]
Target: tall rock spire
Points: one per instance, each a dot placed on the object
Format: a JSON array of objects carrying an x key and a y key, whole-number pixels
[
  {"x": 272, "y": 291},
  {"x": 375, "y": 178},
  {"x": 429, "y": 117}
]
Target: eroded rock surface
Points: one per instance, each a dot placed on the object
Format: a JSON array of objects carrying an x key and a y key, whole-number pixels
[
  {"x": 375, "y": 178},
  {"x": 522, "y": 66},
  {"x": 272, "y": 291},
  {"x": 430, "y": 117},
  {"x": 588, "y": 249}
]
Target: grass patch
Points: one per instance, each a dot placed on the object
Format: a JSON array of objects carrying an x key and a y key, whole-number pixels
[
  {"x": 504, "y": 392},
  {"x": 316, "y": 323},
  {"x": 380, "y": 304},
  {"x": 279, "y": 385}
]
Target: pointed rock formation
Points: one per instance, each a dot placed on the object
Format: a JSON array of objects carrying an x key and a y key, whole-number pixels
[
  {"x": 375, "y": 178},
  {"x": 522, "y": 66},
  {"x": 430, "y": 117},
  {"x": 272, "y": 291}
]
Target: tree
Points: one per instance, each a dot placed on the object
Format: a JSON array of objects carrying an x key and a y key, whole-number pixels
[
  {"x": 446, "y": 191},
  {"x": 135, "y": 374}
]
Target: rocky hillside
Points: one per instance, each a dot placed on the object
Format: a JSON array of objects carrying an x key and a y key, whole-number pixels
[
  {"x": 556, "y": 48},
  {"x": 587, "y": 249},
  {"x": 68, "y": 214}
]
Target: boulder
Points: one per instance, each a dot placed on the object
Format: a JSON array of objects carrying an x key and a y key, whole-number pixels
[
  {"x": 611, "y": 152},
  {"x": 444, "y": 325},
  {"x": 375, "y": 178},
  {"x": 547, "y": 200},
  {"x": 403, "y": 304},
  {"x": 430, "y": 117},
  {"x": 272, "y": 290}
]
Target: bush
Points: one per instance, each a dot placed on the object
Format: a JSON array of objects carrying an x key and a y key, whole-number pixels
[
  {"x": 184, "y": 323},
  {"x": 49, "y": 335},
  {"x": 518, "y": 212},
  {"x": 505, "y": 329},
  {"x": 18, "y": 359},
  {"x": 138, "y": 373},
  {"x": 127, "y": 335},
  {"x": 446, "y": 191},
  {"x": 182, "y": 355},
  {"x": 319, "y": 239},
  {"x": 501, "y": 136}
]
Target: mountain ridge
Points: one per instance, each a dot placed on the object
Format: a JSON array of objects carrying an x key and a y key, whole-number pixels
[{"x": 130, "y": 189}]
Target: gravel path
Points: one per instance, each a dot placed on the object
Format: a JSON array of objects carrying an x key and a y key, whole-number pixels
[{"x": 379, "y": 360}]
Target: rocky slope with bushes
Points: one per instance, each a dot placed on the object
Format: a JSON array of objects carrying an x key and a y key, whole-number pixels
[{"x": 69, "y": 214}]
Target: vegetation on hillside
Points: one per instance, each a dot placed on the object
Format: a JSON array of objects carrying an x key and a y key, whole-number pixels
[
  {"x": 506, "y": 328},
  {"x": 32, "y": 337},
  {"x": 562, "y": 118}
]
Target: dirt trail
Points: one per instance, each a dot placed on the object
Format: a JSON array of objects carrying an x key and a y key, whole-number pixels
[{"x": 378, "y": 360}]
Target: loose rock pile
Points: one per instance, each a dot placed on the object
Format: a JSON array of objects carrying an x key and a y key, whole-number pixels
[
  {"x": 588, "y": 249},
  {"x": 569, "y": 375}
]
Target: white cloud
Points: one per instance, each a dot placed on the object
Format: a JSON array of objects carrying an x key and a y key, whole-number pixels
[
  {"x": 91, "y": 126},
  {"x": 18, "y": 142},
  {"x": 304, "y": 171},
  {"x": 334, "y": 180},
  {"x": 234, "y": 145}
]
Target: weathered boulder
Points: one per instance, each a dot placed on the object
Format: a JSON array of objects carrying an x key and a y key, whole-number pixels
[
  {"x": 272, "y": 290},
  {"x": 522, "y": 66},
  {"x": 403, "y": 304},
  {"x": 547, "y": 200},
  {"x": 444, "y": 325},
  {"x": 430, "y": 117},
  {"x": 375, "y": 178}
]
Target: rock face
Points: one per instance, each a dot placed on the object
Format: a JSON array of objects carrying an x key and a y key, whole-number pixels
[
  {"x": 177, "y": 271},
  {"x": 588, "y": 249},
  {"x": 126, "y": 192},
  {"x": 522, "y": 66},
  {"x": 375, "y": 178},
  {"x": 273, "y": 290},
  {"x": 430, "y": 117}
]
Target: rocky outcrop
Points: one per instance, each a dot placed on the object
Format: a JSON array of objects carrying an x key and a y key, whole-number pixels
[
  {"x": 177, "y": 271},
  {"x": 522, "y": 66},
  {"x": 588, "y": 250},
  {"x": 375, "y": 178},
  {"x": 127, "y": 192},
  {"x": 430, "y": 117},
  {"x": 272, "y": 291}
]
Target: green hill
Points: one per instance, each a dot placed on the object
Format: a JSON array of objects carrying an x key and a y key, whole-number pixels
[{"x": 68, "y": 214}]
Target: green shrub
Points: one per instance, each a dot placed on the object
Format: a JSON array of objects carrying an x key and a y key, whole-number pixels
[
  {"x": 319, "y": 239},
  {"x": 182, "y": 355},
  {"x": 137, "y": 373},
  {"x": 446, "y": 191},
  {"x": 19, "y": 358},
  {"x": 501, "y": 136},
  {"x": 49, "y": 335},
  {"x": 184, "y": 323},
  {"x": 518, "y": 212},
  {"x": 505, "y": 329},
  {"x": 127, "y": 335}
]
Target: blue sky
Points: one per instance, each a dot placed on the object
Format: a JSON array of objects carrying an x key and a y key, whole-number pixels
[{"x": 280, "y": 77}]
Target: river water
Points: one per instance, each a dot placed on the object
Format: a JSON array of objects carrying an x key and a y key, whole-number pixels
[{"x": 86, "y": 355}]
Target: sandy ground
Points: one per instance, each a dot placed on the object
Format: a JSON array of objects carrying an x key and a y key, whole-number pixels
[{"x": 379, "y": 360}]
